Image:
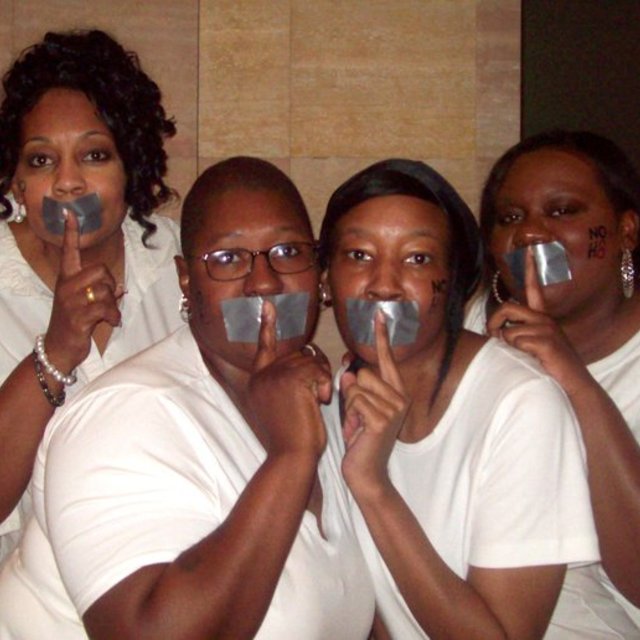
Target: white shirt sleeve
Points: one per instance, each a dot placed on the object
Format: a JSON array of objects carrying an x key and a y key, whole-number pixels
[{"x": 112, "y": 503}]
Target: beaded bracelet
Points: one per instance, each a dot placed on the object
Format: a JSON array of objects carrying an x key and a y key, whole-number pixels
[
  {"x": 56, "y": 401},
  {"x": 49, "y": 368}
]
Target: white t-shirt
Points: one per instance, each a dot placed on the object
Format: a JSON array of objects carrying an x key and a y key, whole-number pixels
[
  {"x": 590, "y": 607},
  {"x": 149, "y": 313},
  {"x": 500, "y": 482},
  {"x": 146, "y": 462}
]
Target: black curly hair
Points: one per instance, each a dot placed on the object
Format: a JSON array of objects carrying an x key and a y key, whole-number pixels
[{"x": 126, "y": 98}]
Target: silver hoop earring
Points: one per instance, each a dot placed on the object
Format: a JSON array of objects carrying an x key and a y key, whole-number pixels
[
  {"x": 183, "y": 308},
  {"x": 627, "y": 273},
  {"x": 20, "y": 214},
  {"x": 494, "y": 287}
]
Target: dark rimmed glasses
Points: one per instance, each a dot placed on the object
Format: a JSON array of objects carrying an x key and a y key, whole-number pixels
[{"x": 285, "y": 258}]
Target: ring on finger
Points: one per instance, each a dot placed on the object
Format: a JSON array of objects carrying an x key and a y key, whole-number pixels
[
  {"x": 89, "y": 293},
  {"x": 311, "y": 349}
]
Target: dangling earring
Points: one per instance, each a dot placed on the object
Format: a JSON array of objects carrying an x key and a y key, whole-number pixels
[
  {"x": 20, "y": 214},
  {"x": 494, "y": 287},
  {"x": 184, "y": 309},
  {"x": 325, "y": 301},
  {"x": 627, "y": 273}
]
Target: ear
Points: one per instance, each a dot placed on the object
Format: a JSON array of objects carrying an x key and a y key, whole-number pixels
[
  {"x": 629, "y": 227},
  {"x": 17, "y": 189},
  {"x": 183, "y": 274}
]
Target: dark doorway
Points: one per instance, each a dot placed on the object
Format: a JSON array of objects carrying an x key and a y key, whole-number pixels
[{"x": 581, "y": 68}]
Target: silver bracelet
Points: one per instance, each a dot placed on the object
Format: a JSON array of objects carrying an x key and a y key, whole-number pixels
[{"x": 67, "y": 381}]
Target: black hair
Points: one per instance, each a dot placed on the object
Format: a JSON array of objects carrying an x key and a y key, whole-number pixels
[
  {"x": 126, "y": 99},
  {"x": 240, "y": 172},
  {"x": 618, "y": 177},
  {"x": 413, "y": 178}
]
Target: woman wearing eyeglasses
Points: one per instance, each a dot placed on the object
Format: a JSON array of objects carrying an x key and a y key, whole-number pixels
[{"x": 193, "y": 492}]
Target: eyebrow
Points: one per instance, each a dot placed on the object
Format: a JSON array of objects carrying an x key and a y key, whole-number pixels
[
  {"x": 240, "y": 234},
  {"x": 362, "y": 232},
  {"x": 86, "y": 134}
]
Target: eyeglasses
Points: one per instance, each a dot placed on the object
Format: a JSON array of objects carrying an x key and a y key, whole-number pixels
[{"x": 285, "y": 258}]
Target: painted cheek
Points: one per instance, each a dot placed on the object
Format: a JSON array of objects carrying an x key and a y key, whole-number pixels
[
  {"x": 438, "y": 288},
  {"x": 202, "y": 307},
  {"x": 597, "y": 243}
]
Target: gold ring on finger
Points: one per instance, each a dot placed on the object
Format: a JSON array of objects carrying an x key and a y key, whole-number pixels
[{"x": 91, "y": 296}]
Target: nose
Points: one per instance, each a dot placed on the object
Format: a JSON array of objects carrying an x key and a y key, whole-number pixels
[
  {"x": 384, "y": 283},
  {"x": 262, "y": 280},
  {"x": 531, "y": 231},
  {"x": 68, "y": 179}
]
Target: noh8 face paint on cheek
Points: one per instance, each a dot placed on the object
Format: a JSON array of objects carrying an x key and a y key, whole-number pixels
[
  {"x": 87, "y": 209},
  {"x": 551, "y": 261},
  {"x": 402, "y": 317},
  {"x": 242, "y": 316}
]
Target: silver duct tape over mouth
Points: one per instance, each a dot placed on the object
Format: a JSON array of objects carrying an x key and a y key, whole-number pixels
[
  {"x": 551, "y": 263},
  {"x": 402, "y": 318},
  {"x": 87, "y": 209},
  {"x": 242, "y": 316}
]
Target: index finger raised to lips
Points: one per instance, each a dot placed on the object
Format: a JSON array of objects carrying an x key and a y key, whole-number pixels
[{"x": 70, "y": 262}]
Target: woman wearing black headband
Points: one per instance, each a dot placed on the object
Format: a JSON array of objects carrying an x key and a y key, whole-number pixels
[{"x": 463, "y": 457}]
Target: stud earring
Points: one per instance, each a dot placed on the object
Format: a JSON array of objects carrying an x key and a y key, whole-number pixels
[
  {"x": 494, "y": 287},
  {"x": 627, "y": 273},
  {"x": 183, "y": 308}
]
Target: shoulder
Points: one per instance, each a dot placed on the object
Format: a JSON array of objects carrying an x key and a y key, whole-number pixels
[
  {"x": 475, "y": 318},
  {"x": 141, "y": 381},
  {"x": 509, "y": 392}
]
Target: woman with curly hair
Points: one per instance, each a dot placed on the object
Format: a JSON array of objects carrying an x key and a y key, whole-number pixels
[{"x": 86, "y": 273}]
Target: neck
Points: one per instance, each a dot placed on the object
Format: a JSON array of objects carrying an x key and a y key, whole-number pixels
[{"x": 599, "y": 332}]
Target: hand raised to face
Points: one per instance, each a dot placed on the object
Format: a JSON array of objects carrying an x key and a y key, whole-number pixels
[
  {"x": 375, "y": 408},
  {"x": 83, "y": 297},
  {"x": 285, "y": 393}
]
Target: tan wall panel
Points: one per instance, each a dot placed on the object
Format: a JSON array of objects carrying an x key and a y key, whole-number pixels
[
  {"x": 379, "y": 79},
  {"x": 6, "y": 35},
  {"x": 498, "y": 89},
  {"x": 244, "y": 78}
]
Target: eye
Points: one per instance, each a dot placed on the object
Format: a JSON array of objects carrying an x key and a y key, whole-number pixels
[
  {"x": 565, "y": 210},
  {"x": 509, "y": 217},
  {"x": 224, "y": 257},
  {"x": 97, "y": 155},
  {"x": 37, "y": 160},
  {"x": 418, "y": 259},
  {"x": 358, "y": 255},
  {"x": 284, "y": 251}
]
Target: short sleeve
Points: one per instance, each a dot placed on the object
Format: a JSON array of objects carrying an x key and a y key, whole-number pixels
[
  {"x": 121, "y": 471},
  {"x": 533, "y": 500}
]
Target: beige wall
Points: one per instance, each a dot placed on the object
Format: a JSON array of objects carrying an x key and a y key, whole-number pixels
[{"x": 320, "y": 87}]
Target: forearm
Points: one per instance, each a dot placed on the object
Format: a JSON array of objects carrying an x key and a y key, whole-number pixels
[
  {"x": 24, "y": 414},
  {"x": 222, "y": 586},
  {"x": 613, "y": 458},
  {"x": 444, "y": 605}
]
